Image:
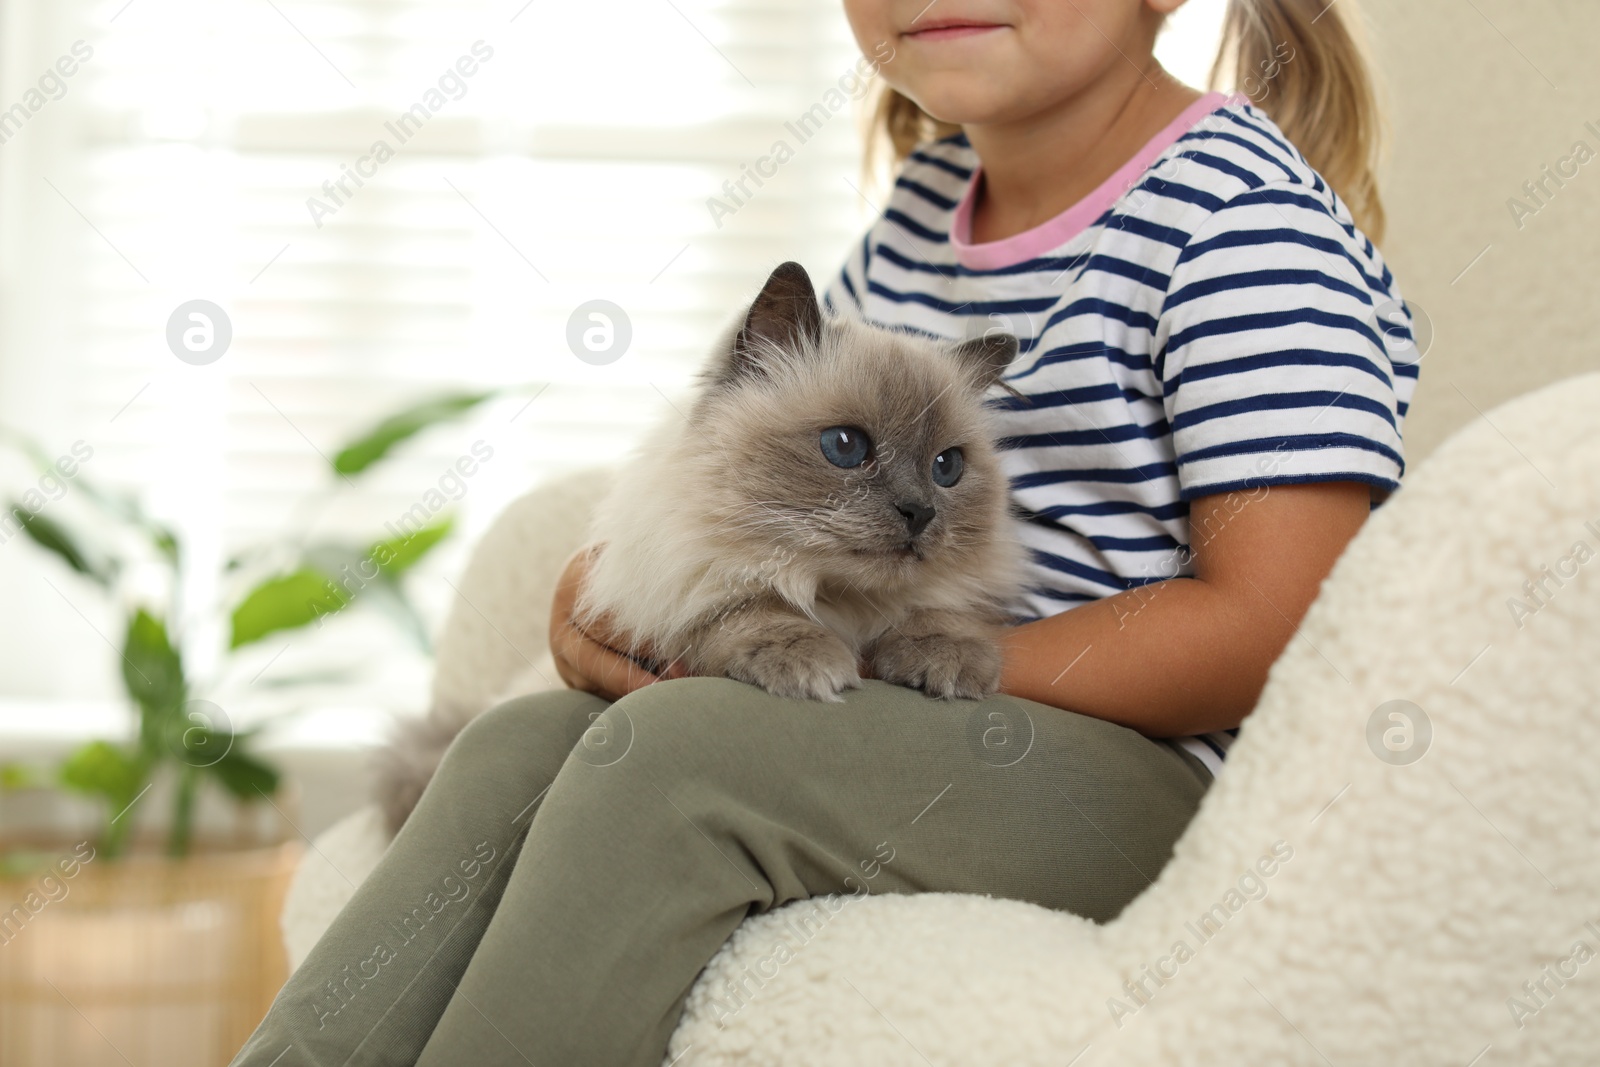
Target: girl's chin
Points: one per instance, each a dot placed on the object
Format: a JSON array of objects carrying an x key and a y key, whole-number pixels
[
  {"x": 969, "y": 95},
  {"x": 983, "y": 106},
  {"x": 963, "y": 110}
]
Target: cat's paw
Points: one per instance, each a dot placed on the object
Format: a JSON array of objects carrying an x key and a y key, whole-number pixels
[
  {"x": 799, "y": 660},
  {"x": 947, "y": 665}
]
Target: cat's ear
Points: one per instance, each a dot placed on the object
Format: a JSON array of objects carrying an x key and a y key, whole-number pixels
[
  {"x": 986, "y": 357},
  {"x": 785, "y": 314}
]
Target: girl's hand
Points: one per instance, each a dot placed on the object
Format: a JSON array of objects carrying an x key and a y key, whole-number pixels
[{"x": 588, "y": 659}]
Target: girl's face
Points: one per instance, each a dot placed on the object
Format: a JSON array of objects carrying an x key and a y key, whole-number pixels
[{"x": 981, "y": 62}]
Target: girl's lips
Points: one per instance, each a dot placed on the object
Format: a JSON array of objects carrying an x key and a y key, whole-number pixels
[{"x": 949, "y": 30}]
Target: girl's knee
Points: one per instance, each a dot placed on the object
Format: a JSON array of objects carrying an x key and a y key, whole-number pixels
[
  {"x": 514, "y": 724},
  {"x": 695, "y": 727},
  {"x": 690, "y": 703}
]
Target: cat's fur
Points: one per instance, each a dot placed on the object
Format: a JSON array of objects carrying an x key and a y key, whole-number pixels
[{"x": 732, "y": 545}]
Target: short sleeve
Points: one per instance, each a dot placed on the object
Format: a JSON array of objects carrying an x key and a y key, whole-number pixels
[
  {"x": 843, "y": 295},
  {"x": 1271, "y": 353}
]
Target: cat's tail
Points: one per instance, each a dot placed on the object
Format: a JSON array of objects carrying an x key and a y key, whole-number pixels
[{"x": 405, "y": 764}]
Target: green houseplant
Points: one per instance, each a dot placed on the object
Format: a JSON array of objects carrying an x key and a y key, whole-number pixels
[
  {"x": 191, "y": 933},
  {"x": 179, "y": 735}
]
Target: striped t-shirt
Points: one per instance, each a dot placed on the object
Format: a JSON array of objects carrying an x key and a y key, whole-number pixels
[{"x": 1209, "y": 321}]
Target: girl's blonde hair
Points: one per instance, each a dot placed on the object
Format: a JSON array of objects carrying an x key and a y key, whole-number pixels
[{"x": 1322, "y": 96}]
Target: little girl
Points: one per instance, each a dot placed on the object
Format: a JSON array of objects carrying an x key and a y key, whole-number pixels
[{"x": 1204, "y": 412}]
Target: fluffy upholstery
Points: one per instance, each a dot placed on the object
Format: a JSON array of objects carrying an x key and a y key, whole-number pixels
[{"x": 1332, "y": 906}]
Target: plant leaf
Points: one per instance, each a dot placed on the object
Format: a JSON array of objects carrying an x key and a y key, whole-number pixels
[
  {"x": 19, "y": 776},
  {"x": 54, "y": 537},
  {"x": 199, "y": 746},
  {"x": 373, "y": 445},
  {"x": 245, "y": 776},
  {"x": 399, "y": 554},
  {"x": 152, "y": 671},
  {"x": 165, "y": 540},
  {"x": 104, "y": 770},
  {"x": 286, "y": 602}
]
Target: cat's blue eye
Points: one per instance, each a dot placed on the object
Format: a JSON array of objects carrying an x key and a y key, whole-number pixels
[
  {"x": 846, "y": 446},
  {"x": 947, "y": 467}
]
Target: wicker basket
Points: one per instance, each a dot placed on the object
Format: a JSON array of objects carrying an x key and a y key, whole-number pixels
[{"x": 143, "y": 961}]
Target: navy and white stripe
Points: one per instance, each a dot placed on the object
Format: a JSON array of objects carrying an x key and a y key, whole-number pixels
[{"x": 1222, "y": 327}]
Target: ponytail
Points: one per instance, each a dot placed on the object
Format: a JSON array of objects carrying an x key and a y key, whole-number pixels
[
  {"x": 1305, "y": 64},
  {"x": 896, "y": 123}
]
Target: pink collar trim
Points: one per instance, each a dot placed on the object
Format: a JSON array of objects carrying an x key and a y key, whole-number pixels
[{"x": 1052, "y": 234}]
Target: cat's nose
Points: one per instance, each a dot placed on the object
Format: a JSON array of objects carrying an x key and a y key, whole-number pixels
[{"x": 917, "y": 516}]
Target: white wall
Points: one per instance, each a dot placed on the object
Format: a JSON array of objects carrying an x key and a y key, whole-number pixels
[{"x": 1483, "y": 96}]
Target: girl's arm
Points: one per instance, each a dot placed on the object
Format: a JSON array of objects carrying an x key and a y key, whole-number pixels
[
  {"x": 588, "y": 659},
  {"x": 1190, "y": 655}
]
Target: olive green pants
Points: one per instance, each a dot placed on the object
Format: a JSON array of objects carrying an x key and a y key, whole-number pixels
[{"x": 574, "y": 864}]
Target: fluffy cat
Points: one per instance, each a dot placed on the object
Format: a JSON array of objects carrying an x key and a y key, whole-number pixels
[
  {"x": 735, "y": 543},
  {"x": 832, "y": 496}
]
